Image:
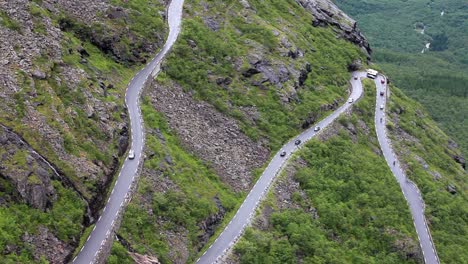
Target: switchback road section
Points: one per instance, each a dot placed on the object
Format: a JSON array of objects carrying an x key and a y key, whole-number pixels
[
  {"x": 244, "y": 215},
  {"x": 409, "y": 189},
  {"x": 103, "y": 230}
]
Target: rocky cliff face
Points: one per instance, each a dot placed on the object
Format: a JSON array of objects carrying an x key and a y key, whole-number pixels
[
  {"x": 63, "y": 68},
  {"x": 212, "y": 136},
  {"x": 326, "y": 13},
  {"x": 28, "y": 172}
]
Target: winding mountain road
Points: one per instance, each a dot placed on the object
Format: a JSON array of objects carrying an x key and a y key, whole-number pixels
[
  {"x": 409, "y": 189},
  {"x": 120, "y": 193},
  {"x": 245, "y": 213}
]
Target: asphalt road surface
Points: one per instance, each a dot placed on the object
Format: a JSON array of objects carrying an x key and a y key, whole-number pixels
[
  {"x": 105, "y": 224},
  {"x": 244, "y": 215},
  {"x": 246, "y": 211},
  {"x": 409, "y": 189}
]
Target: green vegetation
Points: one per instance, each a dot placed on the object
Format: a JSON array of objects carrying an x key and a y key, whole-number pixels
[
  {"x": 86, "y": 74},
  {"x": 57, "y": 100},
  {"x": 193, "y": 198},
  {"x": 362, "y": 214},
  {"x": 38, "y": 14},
  {"x": 220, "y": 54},
  {"x": 429, "y": 159},
  {"x": 437, "y": 78},
  {"x": 139, "y": 30},
  {"x": 7, "y": 22},
  {"x": 144, "y": 19},
  {"x": 63, "y": 220},
  {"x": 119, "y": 255},
  {"x": 84, "y": 236},
  {"x": 199, "y": 58}
]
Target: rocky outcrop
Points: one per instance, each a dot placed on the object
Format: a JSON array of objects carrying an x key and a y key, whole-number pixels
[
  {"x": 34, "y": 72},
  {"x": 326, "y": 13},
  {"x": 263, "y": 71},
  {"x": 355, "y": 65},
  {"x": 451, "y": 189},
  {"x": 30, "y": 175},
  {"x": 288, "y": 186},
  {"x": 460, "y": 160},
  {"x": 405, "y": 246},
  {"x": 273, "y": 75},
  {"x": 85, "y": 10},
  {"x": 47, "y": 244},
  {"x": 457, "y": 156},
  {"x": 313, "y": 117},
  {"x": 304, "y": 74},
  {"x": 123, "y": 140},
  {"x": 144, "y": 259},
  {"x": 65, "y": 114},
  {"x": 212, "y": 136},
  {"x": 209, "y": 225}
]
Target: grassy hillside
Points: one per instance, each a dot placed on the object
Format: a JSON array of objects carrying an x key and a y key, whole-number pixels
[
  {"x": 214, "y": 61},
  {"x": 63, "y": 82},
  {"x": 183, "y": 207},
  {"x": 429, "y": 161},
  {"x": 359, "y": 215},
  {"x": 18, "y": 220},
  {"x": 437, "y": 78},
  {"x": 267, "y": 35},
  {"x": 243, "y": 61}
]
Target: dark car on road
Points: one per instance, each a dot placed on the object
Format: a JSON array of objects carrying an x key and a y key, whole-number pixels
[
  {"x": 283, "y": 154},
  {"x": 297, "y": 142},
  {"x": 381, "y": 93}
]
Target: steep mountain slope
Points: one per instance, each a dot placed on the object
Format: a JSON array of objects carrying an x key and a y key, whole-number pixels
[
  {"x": 434, "y": 163},
  {"x": 235, "y": 87},
  {"x": 399, "y": 31},
  {"x": 243, "y": 78},
  {"x": 337, "y": 202},
  {"x": 64, "y": 67}
]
